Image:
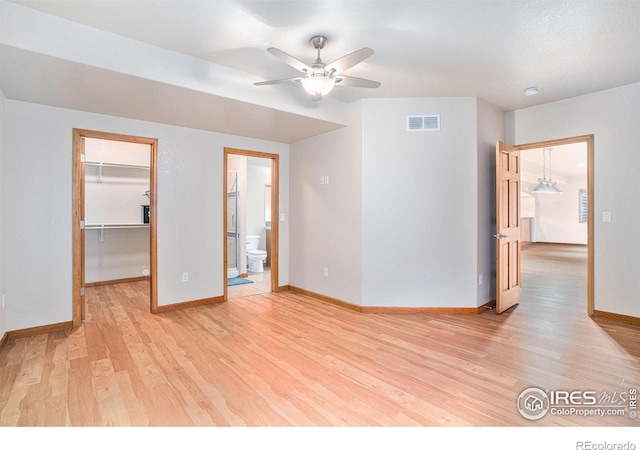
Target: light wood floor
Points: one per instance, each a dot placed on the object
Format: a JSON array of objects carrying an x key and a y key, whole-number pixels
[
  {"x": 288, "y": 360},
  {"x": 261, "y": 284}
]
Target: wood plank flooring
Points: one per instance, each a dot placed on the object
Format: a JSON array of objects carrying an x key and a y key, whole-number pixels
[{"x": 288, "y": 360}]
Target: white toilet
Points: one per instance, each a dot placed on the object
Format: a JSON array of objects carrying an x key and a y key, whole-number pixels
[{"x": 255, "y": 257}]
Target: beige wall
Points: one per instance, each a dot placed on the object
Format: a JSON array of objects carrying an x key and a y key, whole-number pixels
[
  {"x": 326, "y": 218},
  {"x": 490, "y": 128},
  {"x": 3, "y": 215},
  {"x": 612, "y": 116},
  {"x": 258, "y": 176},
  {"x": 556, "y": 217},
  {"x": 419, "y": 214},
  {"x": 190, "y": 178},
  {"x": 403, "y": 219}
]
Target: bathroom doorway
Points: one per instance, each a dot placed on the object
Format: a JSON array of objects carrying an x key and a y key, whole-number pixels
[{"x": 250, "y": 222}]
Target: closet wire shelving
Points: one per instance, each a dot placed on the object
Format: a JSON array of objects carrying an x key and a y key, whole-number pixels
[{"x": 106, "y": 226}]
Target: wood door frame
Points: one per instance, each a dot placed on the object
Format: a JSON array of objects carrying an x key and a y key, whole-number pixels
[
  {"x": 78, "y": 199},
  {"x": 589, "y": 141},
  {"x": 275, "y": 211}
]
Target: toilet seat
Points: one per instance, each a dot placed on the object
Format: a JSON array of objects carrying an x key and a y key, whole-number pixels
[{"x": 256, "y": 253}]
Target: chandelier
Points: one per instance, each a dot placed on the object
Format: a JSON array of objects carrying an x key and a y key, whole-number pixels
[{"x": 546, "y": 186}]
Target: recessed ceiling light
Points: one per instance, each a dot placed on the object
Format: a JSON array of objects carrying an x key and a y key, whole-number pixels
[{"x": 530, "y": 91}]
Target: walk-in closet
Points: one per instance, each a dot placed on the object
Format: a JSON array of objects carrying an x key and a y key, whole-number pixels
[{"x": 116, "y": 202}]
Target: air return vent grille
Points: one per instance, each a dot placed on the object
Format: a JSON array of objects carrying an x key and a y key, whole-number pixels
[{"x": 423, "y": 123}]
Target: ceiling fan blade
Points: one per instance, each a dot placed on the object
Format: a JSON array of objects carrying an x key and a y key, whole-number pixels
[
  {"x": 350, "y": 60},
  {"x": 283, "y": 81},
  {"x": 343, "y": 80},
  {"x": 287, "y": 58}
]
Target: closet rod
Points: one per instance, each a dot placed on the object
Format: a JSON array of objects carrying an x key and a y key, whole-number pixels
[
  {"x": 103, "y": 164},
  {"x": 116, "y": 225},
  {"x": 113, "y": 226}
]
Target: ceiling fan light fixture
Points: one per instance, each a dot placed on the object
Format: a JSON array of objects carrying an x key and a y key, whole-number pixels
[
  {"x": 318, "y": 84},
  {"x": 320, "y": 78}
]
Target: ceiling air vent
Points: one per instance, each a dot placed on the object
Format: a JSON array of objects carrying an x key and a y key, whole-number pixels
[{"x": 423, "y": 123}]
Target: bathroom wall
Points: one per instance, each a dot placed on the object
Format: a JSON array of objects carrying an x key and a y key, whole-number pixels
[
  {"x": 612, "y": 117},
  {"x": 258, "y": 175},
  {"x": 190, "y": 228}
]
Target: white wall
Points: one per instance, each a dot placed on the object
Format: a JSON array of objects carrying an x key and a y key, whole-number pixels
[
  {"x": 490, "y": 128},
  {"x": 419, "y": 214},
  {"x": 410, "y": 214},
  {"x": 613, "y": 117},
  {"x": 326, "y": 219},
  {"x": 257, "y": 177},
  {"x": 38, "y": 210},
  {"x": 3, "y": 215},
  {"x": 557, "y": 216}
]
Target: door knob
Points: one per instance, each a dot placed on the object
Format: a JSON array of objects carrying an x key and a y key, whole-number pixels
[{"x": 500, "y": 236}]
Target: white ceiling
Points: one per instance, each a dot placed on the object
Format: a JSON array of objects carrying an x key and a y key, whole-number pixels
[{"x": 489, "y": 49}]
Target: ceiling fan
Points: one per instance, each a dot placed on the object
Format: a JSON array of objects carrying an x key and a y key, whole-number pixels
[{"x": 320, "y": 78}]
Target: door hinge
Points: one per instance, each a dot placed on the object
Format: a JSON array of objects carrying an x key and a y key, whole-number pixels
[
  {"x": 82, "y": 292},
  {"x": 81, "y": 157},
  {"x": 82, "y": 224}
]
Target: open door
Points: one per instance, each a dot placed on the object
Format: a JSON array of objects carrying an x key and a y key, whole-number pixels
[{"x": 507, "y": 235}]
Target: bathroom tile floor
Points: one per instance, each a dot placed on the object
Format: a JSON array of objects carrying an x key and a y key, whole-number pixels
[{"x": 261, "y": 284}]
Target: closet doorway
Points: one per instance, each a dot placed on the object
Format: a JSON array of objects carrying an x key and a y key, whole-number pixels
[
  {"x": 251, "y": 215},
  {"x": 114, "y": 213}
]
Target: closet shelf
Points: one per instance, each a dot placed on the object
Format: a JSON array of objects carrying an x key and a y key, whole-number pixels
[
  {"x": 112, "y": 226},
  {"x": 125, "y": 166},
  {"x": 102, "y": 165},
  {"x": 98, "y": 226}
]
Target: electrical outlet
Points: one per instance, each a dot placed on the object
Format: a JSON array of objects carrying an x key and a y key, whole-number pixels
[
  {"x": 325, "y": 271},
  {"x": 480, "y": 280},
  {"x": 185, "y": 276}
]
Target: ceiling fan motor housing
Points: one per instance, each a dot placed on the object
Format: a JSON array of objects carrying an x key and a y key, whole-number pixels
[{"x": 318, "y": 42}]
